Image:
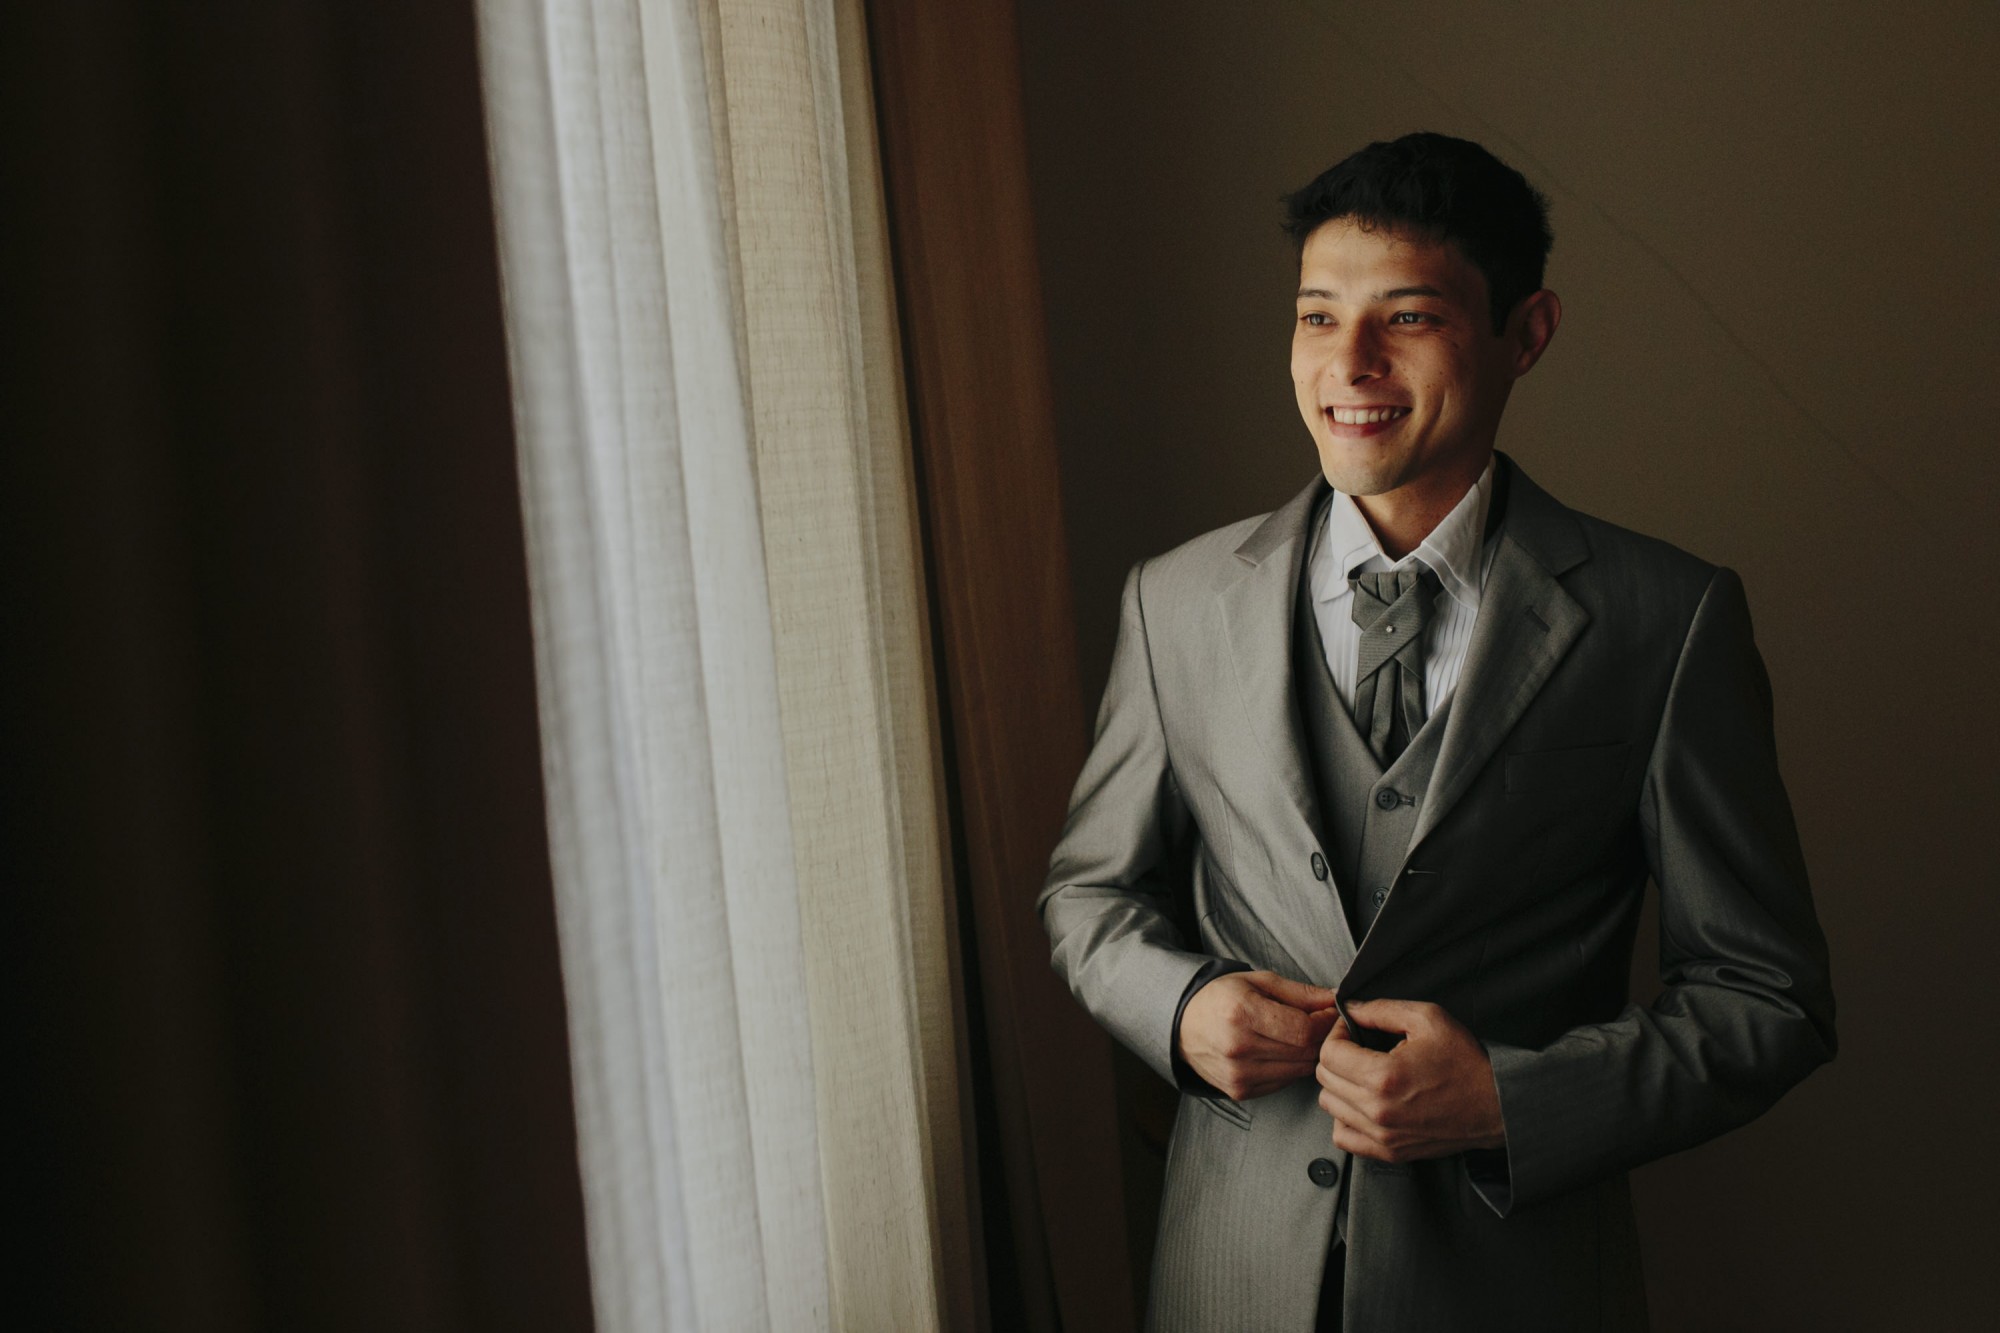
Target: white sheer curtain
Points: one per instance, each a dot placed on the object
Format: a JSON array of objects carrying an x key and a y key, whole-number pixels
[{"x": 738, "y": 726}]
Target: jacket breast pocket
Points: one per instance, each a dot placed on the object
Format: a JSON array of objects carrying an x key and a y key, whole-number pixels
[{"x": 1577, "y": 771}]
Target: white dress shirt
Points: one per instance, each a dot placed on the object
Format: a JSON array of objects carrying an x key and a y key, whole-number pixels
[{"x": 1456, "y": 551}]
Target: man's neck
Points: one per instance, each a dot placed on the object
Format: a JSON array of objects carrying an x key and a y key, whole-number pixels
[{"x": 1402, "y": 518}]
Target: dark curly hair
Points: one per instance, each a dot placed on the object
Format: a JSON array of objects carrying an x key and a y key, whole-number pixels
[{"x": 1438, "y": 188}]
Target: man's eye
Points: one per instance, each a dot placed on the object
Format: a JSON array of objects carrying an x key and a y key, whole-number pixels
[
  {"x": 1319, "y": 319},
  {"x": 1410, "y": 317}
]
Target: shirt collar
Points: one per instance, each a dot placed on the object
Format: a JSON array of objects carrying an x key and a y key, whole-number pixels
[{"x": 1454, "y": 550}]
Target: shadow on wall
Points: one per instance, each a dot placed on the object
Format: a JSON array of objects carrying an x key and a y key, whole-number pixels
[{"x": 1776, "y": 353}]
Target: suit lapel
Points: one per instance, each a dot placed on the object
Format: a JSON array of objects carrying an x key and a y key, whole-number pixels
[
  {"x": 1256, "y": 599},
  {"x": 1527, "y": 623}
]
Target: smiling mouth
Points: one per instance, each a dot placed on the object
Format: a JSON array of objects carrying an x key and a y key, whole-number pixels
[{"x": 1365, "y": 416}]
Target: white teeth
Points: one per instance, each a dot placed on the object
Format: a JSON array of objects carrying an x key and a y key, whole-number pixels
[{"x": 1360, "y": 416}]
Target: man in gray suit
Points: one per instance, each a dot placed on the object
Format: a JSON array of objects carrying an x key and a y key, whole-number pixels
[{"x": 1421, "y": 735}]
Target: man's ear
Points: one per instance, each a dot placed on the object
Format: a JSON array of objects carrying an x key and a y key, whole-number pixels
[{"x": 1531, "y": 327}]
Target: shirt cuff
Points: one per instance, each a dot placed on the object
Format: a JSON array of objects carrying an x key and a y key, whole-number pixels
[
  {"x": 1185, "y": 1078},
  {"x": 1489, "y": 1169},
  {"x": 1491, "y": 1178}
]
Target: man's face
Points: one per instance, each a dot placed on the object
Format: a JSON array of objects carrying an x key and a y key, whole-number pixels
[{"x": 1399, "y": 374}]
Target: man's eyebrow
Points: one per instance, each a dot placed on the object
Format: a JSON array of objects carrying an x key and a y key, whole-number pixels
[{"x": 1393, "y": 294}]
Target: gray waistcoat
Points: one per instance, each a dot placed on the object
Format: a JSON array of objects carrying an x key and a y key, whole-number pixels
[{"x": 1366, "y": 815}]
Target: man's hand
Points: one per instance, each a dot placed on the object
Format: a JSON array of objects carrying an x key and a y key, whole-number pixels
[
  {"x": 1249, "y": 1033},
  {"x": 1431, "y": 1096}
]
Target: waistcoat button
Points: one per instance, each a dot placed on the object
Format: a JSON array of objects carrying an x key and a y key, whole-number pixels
[
  {"x": 1319, "y": 866},
  {"x": 1388, "y": 799},
  {"x": 1323, "y": 1173}
]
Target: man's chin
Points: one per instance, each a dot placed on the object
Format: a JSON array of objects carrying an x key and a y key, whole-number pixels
[{"x": 1361, "y": 476}]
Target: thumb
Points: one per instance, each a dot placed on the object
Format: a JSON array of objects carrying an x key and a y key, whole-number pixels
[
  {"x": 1298, "y": 994},
  {"x": 1404, "y": 1016}
]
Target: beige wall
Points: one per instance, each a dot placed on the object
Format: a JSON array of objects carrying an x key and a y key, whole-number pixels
[{"x": 1774, "y": 241}]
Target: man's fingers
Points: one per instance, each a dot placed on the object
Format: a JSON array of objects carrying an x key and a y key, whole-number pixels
[
  {"x": 1243, "y": 1035},
  {"x": 1347, "y": 1112},
  {"x": 1279, "y": 1022},
  {"x": 1356, "y": 1131},
  {"x": 1347, "y": 1057},
  {"x": 1270, "y": 1075},
  {"x": 1361, "y": 1101},
  {"x": 1255, "y": 1078},
  {"x": 1249, "y": 1044},
  {"x": 1351, "y": 1140},
  {"x": 1404, "y": 1016},
  {"x": 1264, "y": 1069},
  {"x": 1301, "y": 995}
]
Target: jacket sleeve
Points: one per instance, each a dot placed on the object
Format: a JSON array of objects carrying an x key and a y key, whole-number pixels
[
  {"x": 1108, "y": 901},
  {"x": 1747, "y": 1009}
]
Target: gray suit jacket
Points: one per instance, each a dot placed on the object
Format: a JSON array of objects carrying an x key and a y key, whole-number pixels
[{"x": 1613, "y": 721}]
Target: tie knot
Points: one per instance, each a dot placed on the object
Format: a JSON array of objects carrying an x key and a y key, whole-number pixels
[{"x": 1394, "y": 601}]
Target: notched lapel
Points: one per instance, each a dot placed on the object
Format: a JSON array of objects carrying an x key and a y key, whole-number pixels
[
  {"x": 1256, "y": 601},
  {"x": 1527, "y": 624},
  {"x": 1256, "y": 605}
]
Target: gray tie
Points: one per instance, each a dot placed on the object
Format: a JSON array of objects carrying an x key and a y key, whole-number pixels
[{"x": 1392, "y": 609}]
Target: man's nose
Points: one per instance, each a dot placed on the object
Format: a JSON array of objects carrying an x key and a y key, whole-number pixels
[{"x": 1358, "y": 355}]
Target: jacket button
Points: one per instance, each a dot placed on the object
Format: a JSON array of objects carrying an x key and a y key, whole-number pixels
[
  {"x": 1323, "y": 1173},
  {"x": 1387, "y": 799},
  {"x": 1319, "y": 866}
]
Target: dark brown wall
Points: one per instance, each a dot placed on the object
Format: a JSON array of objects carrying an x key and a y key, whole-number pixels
[
  {"x": 1775, "y": 231},
  {"x": 286, "y": 1027}
]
